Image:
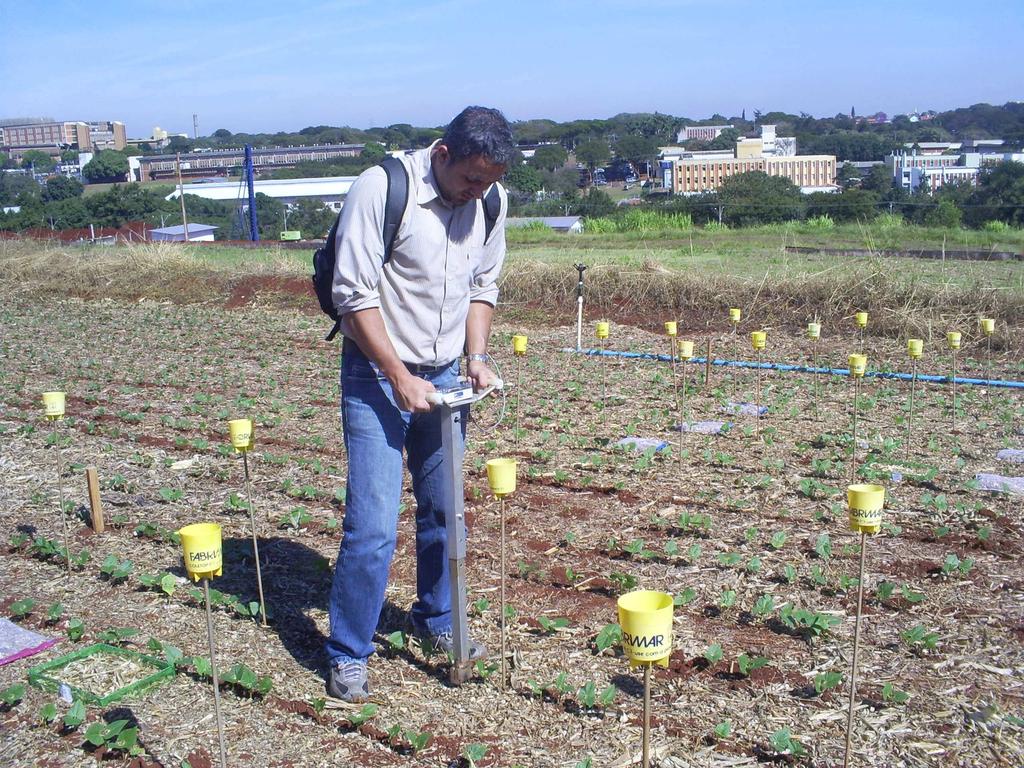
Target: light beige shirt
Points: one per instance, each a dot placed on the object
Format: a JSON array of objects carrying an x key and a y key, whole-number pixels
[{"x": 439, "y": 263}]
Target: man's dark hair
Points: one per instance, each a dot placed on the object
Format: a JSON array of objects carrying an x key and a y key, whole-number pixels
[{"x": 480, "y": 131}]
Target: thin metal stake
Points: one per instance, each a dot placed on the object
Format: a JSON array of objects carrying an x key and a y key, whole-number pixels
[
  {"x": 647, "y": 716},
  {"x": 60, "y": 490},
  {"x": 910, "y": 418},
  {"x": 814, "y": 358},
  {"x": 255, "y": 543},
  {"x": 504, "y": 681},
  {"x": 519, "y": 394},
  {"x": 853, "y": 459},
  {"x": 213, "y": 670},
  {"x": 954, "y": 391},
  {"x": 856, "y": 645},
  {"x": 757, "y": 399},
  {"x": 679, "y": 408}
]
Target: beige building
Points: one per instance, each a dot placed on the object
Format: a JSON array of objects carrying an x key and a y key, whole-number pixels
[
  {"x": 812, "y": 173},
  {"x": 51, "y": 136}
]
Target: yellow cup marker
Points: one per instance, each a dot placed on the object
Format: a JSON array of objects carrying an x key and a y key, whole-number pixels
[
  {"x": 241, "y": 432},
  {"x": 858, "y": 365},
  {"x": 501, "y": 476},
  {"x": 735, "y": 315},
  {"x": 813, "y": 330},
  {"x": 519, "y": 345},
  {"x": 646, "y": 621},
  {"x": 865, "y": 503},
  {"x": 53, "y": 405},
  {"x": 601, "y": 330},
  {"x": 988, "y": 325},
  {"x": 758, "y": 339},
  {"x": 685, "y": 349},
  {"x": 953, "y": 339},
  {"x": 201, "y": 548},
  {"x": 862, "y": 319},
  {"x": 671, "y": 328},
  {"x": 915, "y": 348}
]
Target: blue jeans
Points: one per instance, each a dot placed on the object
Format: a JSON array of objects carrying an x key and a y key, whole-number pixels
[{"x": 375, "y": 432}]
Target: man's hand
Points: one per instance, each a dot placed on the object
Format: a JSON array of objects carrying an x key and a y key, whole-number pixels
[
  {"x": 481, "y": 376},
  {"x": 411, "y": 393}
]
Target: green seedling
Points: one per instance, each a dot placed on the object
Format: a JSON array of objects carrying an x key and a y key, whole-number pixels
[
  {"x": 953, "y": 565},
  {"x": 693, "y": 553},
  {"x": 115, "y": 737},
  {"x": 485, "y": 668},
  {"x": 823, "y": 546},
  {"x": 892, "y": 694},
  {"x": 54, "y": 612},
  {"x": 168, "y": 495},
  {"x": 10, "y": 697},
  {"x": 47, "y": 713},
  {"x": 474, "y": 753},
  {"x": 76, "y": 628},
  {"x": 685, "y": 597},
  {"x": 783, "y": 742},
  {"x": 609, "y": 637},
  {"x": 163, "y": 582},
  {"x": 723, "y": 729},
  {"x": 236, "y": 503},
  {"x": 713, "y": 653},
  {"x": 22, "y": 608},
  {"x": 75, "y": 716},
  {"x": 116, "y": 570},
  {"x": 808, "y": 623},
  {"x": 396, "y": 640},
  {"x": 789, "y": 573},
  {"x": 910, "y": 595},
  {"x": 244, "y": 678},
  {"x": 778, "y": 540},
  {"x": 747, "y": 664},
  {"x": 116, "y": 635},
  {"x": 825, "y": 681},
  {"x": 764, "y": 606},
  {"x": 727, "y": 599},
  {"x": 550, "y": 626},
  {"x": 623, "y": 581},
  {"x": 480, "y": 606},
  {"x": 919, "y": 640},
  {"x": 885, "y": 589},
  {"x": 637, "y": 548}
]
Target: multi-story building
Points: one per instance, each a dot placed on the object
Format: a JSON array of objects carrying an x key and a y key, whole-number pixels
[
  {"x": 701, "y": 132},
  {"x": 219, "y": 162},
  {"x": 48, "y": 135}
]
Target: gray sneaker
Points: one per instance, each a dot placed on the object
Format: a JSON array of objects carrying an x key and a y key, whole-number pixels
[
  {"x": 348, "y": 682},
  {"x": 445, "y": 643}
]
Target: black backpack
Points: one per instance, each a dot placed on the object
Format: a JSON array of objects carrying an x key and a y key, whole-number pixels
[{"x": 394, "y": 207}]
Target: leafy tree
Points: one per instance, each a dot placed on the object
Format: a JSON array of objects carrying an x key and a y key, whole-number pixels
[
  {"x": 549, "y": 157},
  {"x": 373, "y": 153},
  {"x": 179, "y": 144},
  {"x": 311, "y": 217},
  {"x": 524, "y": 179},
  {"x": 69, "y": 156},
  {"x": 106, "y": 165},
  {"x": 999, "y": 196},
  {"x": 595, "y": 204},
  {"x": 122, "y": 203},
  {"x": 725, "y": 140},
  {"x": 131, "y": 151},
  {"x": 638, "y": 150},
  {"x": 16, "y": 189},
  {"x": 593, "y": 153},
  {"x": 945, "y": 214},
  {"x": 878, "y": 179},
  {"x": 61, "y": 188},
  {"x": 850, "y": 205},
  {"x": 5, "y": 160},
  {"x": 564, "y": 181},
  {"x": 39, "y": 161},
  {"x": 224, "y": 133},
  {"x": 67, "y": 213},
  {"x": 756, "y": 198}
]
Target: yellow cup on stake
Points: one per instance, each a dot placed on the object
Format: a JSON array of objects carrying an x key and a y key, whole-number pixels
[
  {"x": 201, "y": 548},
  {"x": 813, "y": 330},
  {"x": 862, "y": 319},
  {"x": 241, "y": 434},
  {"x": 53, "y": 405},
  {"x": 671, "y": 328},
  {"x": 865, "y": 503},
  {"x": 915, "y": 348},
  {"x": 519, "y": 345},
  {"x": 501, "y": 476},
  {"x": 759, "y": 339},
  {"x": 646, "y": 621},
  {"x": 685, "y": 349},
  {"x": 988, "y": 325},
  {"x": 601, "y": 330},
  {"x": 858, "y": 365},
  {"x": 735, "y": 313},
  {"x": 953, "y": 339}
]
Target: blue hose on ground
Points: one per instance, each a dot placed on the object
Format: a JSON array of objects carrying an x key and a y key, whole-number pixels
[{"x": 805, "y": 368}]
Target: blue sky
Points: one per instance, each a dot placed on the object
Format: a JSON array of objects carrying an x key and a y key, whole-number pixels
[{"x": 268, "y": 66}]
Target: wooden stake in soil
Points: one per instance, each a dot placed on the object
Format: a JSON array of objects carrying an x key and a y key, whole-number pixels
[
  {"x": 95, "y": 502},
  {"x": 504, "y": 633},
  {"x": 213, "y": 672},
  {"x": 865, "y": 503},
  {"x": 602, "y": 331},
  {"x": 647, "y": 716}
]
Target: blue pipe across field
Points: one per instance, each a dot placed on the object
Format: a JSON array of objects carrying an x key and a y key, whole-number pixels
[{"x": 805, "y": 368}]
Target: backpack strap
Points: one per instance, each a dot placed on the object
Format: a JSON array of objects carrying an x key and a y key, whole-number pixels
[
  {"x": 397, "y": 198},
  {"x": 492, "y": 209}
]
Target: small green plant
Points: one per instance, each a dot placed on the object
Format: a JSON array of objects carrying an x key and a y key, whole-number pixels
[
  {"x": 168, "y": 495},
  {"x": 764, "y": 606},
  {"x": 782, "y": 741},
  {"x": 685, "y": 597},
  {"x": 609, "y": 636},
  {"x": 826, "y": 681},
  {"x": 474, "y": 753},
  {"x": 723, "y": 729},
  {"x": 892, "y": 694},
  {"x": 246, "y": 680},
  {"x": 10, "y": 697},
  {"x": 75, "y": 716},
  {"x": 713, "y": 653},
  {"x": 778, "y": 540},
  {"x": 727, "y": 599},
  {"x": 953, "y": 565},
  {"x": 116, "y": 635},
  {"x": 747, "y": 664},
  {"x": 823, "y": 546},
  {"x": 22, "y": 608},
  {"x": 75, "y": 630},
  {"x": 919, "y": 640},
  {"x": 116, "y": 570},
  {"x": 47, "y": 713},
  {"x": 550, "y": 626},
  {"x": 116, "y": 737}
]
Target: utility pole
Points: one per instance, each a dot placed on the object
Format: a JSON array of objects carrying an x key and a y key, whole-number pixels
[
  {"x": 181, "y": 195},
  {"x": 195, "y": 125}
]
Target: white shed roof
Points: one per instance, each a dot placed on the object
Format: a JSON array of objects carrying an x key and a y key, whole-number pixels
[{"x": 327, "y": 186}]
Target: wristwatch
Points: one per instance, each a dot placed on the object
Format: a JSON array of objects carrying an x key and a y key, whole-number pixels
[{"x": 477, "y": 357}]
